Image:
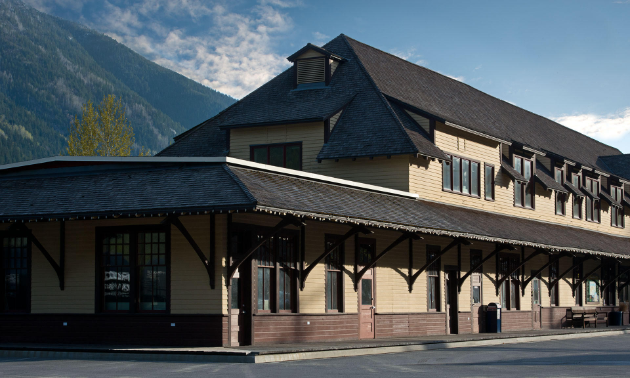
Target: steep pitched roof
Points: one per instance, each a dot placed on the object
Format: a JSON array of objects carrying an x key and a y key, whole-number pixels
[
  {"x": 618, "y": 164},
  {"x": 459, "y": 103}
]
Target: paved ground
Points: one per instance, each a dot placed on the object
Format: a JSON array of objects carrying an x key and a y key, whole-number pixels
[{"x": 599, "y": 356}]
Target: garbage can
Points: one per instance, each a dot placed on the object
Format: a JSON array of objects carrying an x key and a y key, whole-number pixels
[{"x": 493, "y": 318}]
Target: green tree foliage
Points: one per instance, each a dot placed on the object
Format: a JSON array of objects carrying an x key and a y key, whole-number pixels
[{"x": 104, "y": 131}]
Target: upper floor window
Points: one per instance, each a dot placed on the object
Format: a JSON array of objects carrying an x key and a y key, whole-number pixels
[
  {"x": 617, "y": 219},
  {"x": 489, "y": 182},
  {"x": 134, "y": 270},
  {"x": 286, "y": 155},
  {"x": 461, "y": 176},
  {"x": 524, "y": 192},
  {"x": 577, "y": 201},
  {"x": 16, "y": 272},
  {"x": 560, "y": 197},
  {"x": 592, "y": 205}
]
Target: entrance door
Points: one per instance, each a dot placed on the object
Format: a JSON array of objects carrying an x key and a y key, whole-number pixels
[
  {"x": 367, "y": 308},
  {"x": 241, "y": 310},
  {"x": 536, "y": 303},
  {"x": 366, "y": 305},
  {"x": 451, "y": 302}
]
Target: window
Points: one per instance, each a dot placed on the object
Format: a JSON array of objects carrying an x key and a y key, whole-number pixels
[
  {"x": 475, "y": 259},
  {"x": 577, "y": 201},
  {"x": 287, "y": 155},
  {"x": 592, "y": 289},
  {"x": 560, "y": 197},
  {"x": 592, "y": 205},
  {"x": 524, "y": 192},
  {"x": 16, "y": 271},
  {"x": 277, "y": 276},
  {"x": 577, "y": 275},
  {"x": 536, "y": 299},
  {"x": 334, "y": 277},
  {"x": 461, "y": 176},
  {"x": 510, "y": 298},
  {"x": 554, "y": 297},
  {"x": 617, "y": 219},
  {"x": 433, "y": 278},
  {"x": 134, "y": 270},
  {"x": 489, "y": 182}
]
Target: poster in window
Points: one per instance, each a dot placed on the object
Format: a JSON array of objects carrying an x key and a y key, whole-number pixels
[{"x": 592, "y": 289}]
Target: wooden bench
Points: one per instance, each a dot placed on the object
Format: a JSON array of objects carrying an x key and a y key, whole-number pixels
[{"x": 581, "y": 316}]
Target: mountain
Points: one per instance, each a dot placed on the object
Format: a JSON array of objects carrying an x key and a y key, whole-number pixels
[{"x": 50, "y": 67}]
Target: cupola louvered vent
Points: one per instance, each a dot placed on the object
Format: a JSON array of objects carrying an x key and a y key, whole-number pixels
[{"x": 311, "y": 71}]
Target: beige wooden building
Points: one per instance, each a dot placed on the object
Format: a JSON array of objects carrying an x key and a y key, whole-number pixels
[{"x": 355, "y": 195}]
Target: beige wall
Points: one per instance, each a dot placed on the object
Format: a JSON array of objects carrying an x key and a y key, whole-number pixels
[{"x": 425, "y": 179}]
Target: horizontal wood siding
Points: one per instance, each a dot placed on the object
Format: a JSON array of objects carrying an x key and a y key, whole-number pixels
[
  {"x": 425, "y": 179},
  {"x": 189, "y": 330},
  {"x": 277, "y": 329}
]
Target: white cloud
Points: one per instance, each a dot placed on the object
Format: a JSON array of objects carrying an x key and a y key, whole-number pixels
[
  {"x": 606, "y": 127},
  {"x": 320, "y": 38},
  {"x": 207, "y": 41},
  {"x": 458, "y": 78}
]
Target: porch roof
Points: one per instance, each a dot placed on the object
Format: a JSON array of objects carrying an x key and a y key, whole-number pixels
[{"x": 131, "y": 188}]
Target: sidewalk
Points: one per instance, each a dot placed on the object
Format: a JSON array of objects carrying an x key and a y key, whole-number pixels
[{"x": 294, "y": 352}]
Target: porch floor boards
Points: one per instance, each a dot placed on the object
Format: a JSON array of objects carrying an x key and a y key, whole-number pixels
[{"x": 298, "y": 348}]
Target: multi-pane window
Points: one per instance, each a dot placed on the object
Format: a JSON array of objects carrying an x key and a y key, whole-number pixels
[
  {"x": 489, "y": 182},
  {"x": 560, "y": 197},
  {"x": 617, "y": 219},
  {"x": 461, "y": 176},
  {"x": 334, "y": 277},
  {"x": 433, "y": 278},
  {"x": 287, "y": 155},
  {"x": 592, "y": 289},
  {"x": 510, "y": 298},
  {"x": 134, "y": 271},
  {"x": 277, "y": 275},
  {"x": 554, "y": 297},
  {"x": 592, "y": 205},
  {"x": 475, "y": 259},
  {"x": 16, "y": 271},
  {"x": 577, "y": 275},
  {"x": 524, "y": 192},
  {"x": 577, "y": 201}
]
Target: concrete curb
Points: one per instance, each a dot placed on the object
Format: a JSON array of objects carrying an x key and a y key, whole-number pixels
[{"x": 134, "y": 355}]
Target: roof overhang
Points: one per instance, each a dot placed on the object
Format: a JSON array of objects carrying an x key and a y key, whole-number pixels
[
  {"x": 510, "y": 171},
  {"x": 310, "y": 46}
]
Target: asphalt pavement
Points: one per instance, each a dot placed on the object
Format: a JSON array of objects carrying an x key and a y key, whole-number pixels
[{"x": 587, "y": 357}]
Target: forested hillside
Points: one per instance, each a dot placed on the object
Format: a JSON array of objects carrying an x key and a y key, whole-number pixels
[{"x": 49, "y": 67}]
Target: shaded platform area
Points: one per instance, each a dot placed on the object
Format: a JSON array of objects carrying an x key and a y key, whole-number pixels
[{"x": 293, "y": 352}]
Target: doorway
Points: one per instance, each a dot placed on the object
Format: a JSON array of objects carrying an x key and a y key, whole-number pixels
[
  {"x": 536, "y": 298},
  {"x": 367, "y": 304},
  {"x": 452, "y": 313},
  {"x": 240, "y": 311}
]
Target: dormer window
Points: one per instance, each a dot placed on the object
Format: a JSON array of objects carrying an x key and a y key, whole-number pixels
[{"x": 313, "y": 67}]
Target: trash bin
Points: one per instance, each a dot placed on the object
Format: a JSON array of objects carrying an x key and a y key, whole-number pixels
[{"x": 493, "y": 318}]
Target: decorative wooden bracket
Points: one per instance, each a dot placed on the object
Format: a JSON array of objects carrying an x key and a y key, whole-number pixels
[
  {"x": 546, "y": 265},
  {"x": 571, "y": 269},
  {"x": 500, "y": 281},
  {"x": 208, "y": 263},
  {"x": 328, "y": 251},
  {"x": 286, "y": 221},
  {"x": 454, "y": 243},
  {"x": 614, "y": 279},
  {"x": 59, "y": 268},
  {"x": 499, "y": 248},
  {"x": 577, "y": 284},
  {"x": 402, "y": 238}
]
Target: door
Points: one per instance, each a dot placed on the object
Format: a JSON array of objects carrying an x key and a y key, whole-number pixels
[
  {"x": 476, "y": 310},
  {"x": 451, "y": 303},
  {"x": 240, "y": 311},
  {"x": 536, "y": 303},
  {"x": 366, "y": 305}
]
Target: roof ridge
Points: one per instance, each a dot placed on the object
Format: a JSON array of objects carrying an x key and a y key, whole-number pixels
[
  {"x": 478, "y": 90},
  {"x": 240, "y": 184},
  {"x": 380, "y": 95}
]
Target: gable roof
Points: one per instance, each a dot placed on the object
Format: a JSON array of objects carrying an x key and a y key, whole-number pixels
[
  {"x": 310, "y": 46},
  {"x": 618, "y": 165},
  {"x": 459, "y": 103},
  {"x": 373, "y": 84}
]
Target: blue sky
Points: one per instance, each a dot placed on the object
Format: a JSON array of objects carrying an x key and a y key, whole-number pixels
[{"x": 566, "y": 60}]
